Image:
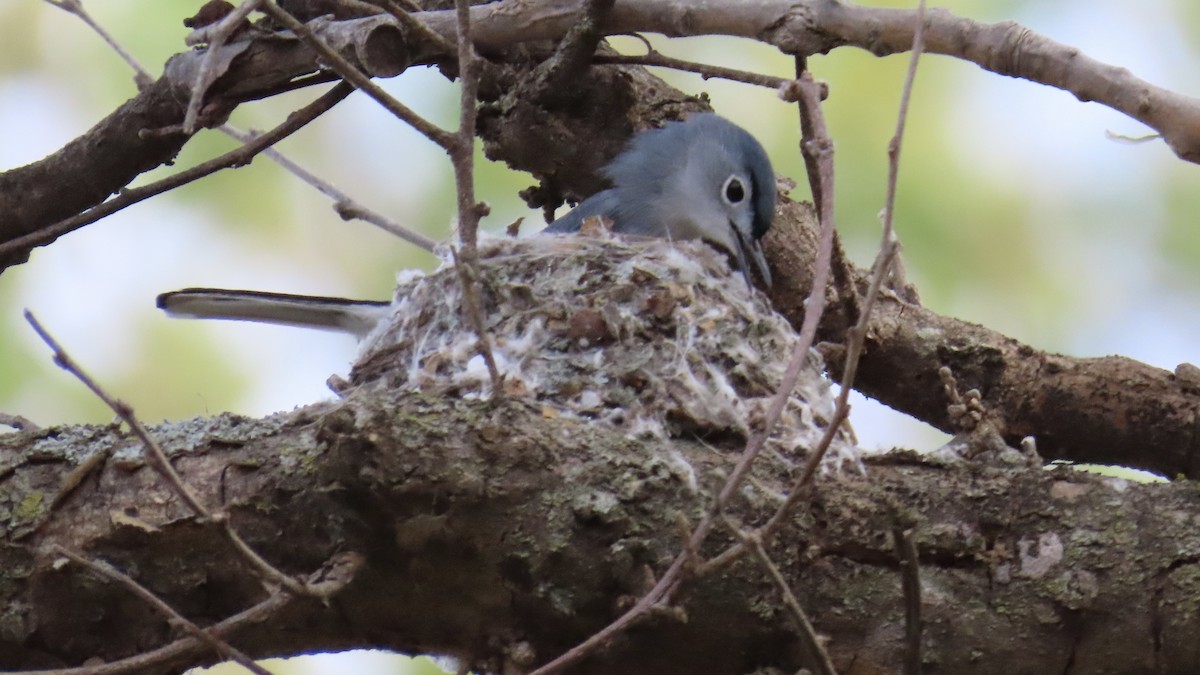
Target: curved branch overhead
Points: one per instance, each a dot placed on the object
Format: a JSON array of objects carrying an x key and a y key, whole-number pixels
[
  {"x": 144, "y": 133},
  {"x": 807, "y": 27}
]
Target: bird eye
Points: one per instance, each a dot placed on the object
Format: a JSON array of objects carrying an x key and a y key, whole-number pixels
[{"x": 734, "y": 190}]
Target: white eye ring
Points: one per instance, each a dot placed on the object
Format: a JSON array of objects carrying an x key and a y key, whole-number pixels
[{"x": 734, "y": 191}]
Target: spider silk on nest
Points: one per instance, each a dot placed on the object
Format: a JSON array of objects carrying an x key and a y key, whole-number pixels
[{"x": 657, "y": 338}]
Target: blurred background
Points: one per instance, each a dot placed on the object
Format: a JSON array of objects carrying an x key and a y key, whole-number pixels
[{"x": 1016, "y": 210}]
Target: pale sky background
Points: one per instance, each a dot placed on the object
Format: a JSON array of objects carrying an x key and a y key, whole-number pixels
[{"x": 1016, "y": 210}]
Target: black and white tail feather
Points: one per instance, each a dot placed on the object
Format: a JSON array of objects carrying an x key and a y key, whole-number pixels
[{"x": 356, "y": 317}]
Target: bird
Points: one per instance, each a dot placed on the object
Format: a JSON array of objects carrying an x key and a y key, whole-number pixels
[{"x": 700, "y": 178}]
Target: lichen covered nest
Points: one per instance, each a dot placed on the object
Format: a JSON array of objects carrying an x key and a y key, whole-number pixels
[{"x": 655, "y": 337}]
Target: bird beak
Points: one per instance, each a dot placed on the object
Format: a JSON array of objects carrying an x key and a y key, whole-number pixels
[{"x": 750, "y": 249}]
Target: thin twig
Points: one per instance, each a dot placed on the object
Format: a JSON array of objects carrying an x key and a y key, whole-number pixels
[
  {"x": 107, "y": 571},
  {"x": 893, "y": 151},
  {"x": 154, "y": 453},
  {"x": 906, "y": 549},
  {"x": 888, "y": 246},
  {"x": 157, "y": 459},
  {"x": 856, "y": 335},
  {"x": 807, "y": 632},
  {"x": 809, "y": 97},
  {"x": 234, "y": 158},
  {"x": 817, "y": 148},
  {"x": 462, "y": 156},
  {"x": 634, "y": 614},
  {"x": 154, "y": 659},
  {"x": 354, "y": 76},
  {"x": 18, "y": 422},
  {"x": 910, "y": 582},
  {"x": 142, "y": 78},
  {"x": 345, "y": 205},
  {"x": 468, "y": 278},
  {"x": 462, "y": 153},
  {"x": 705, "y": 71},
  {"x": 671, "y": 581},
  {"x": 797, "y": 491}
]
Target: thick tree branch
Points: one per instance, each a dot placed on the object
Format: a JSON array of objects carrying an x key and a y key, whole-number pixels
[
  {"x": 92, "y": 167},
  {"x": 502, "y": 536},
  {"x": 806, "y": 27},
  {"x": 1107, "y": 410},
  {"x": 20, "y": 246}
]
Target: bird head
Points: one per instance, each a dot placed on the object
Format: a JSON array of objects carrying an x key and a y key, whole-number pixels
[{"x": 702, "y": 178}]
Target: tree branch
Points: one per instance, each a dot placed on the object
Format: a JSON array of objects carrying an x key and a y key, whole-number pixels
[
  {"x": 1106, "y": 410},
  {"x": 485, "y": 524}
]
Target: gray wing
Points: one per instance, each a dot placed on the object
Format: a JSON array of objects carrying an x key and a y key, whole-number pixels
[{"x": 603, "y": 203}]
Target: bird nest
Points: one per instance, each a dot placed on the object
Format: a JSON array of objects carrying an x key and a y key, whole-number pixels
[{"x": 654, "y": 337}]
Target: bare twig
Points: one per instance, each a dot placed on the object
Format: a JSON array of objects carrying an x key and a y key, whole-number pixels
[
  {"x": 807, "y": 632},
  {"x": 349, "y": 209},
  {"x": 809, "y": 96},
  {"x": 18, "y": 422},
  {"x": 706, "y": 71},
  {"x": 807, "y": 92},
  {"x": 889, "y": 244},
  {"x": 473, "y": 308},
  {"x": 462, "y": 151},
  {"x": 234, "y": 158},
  {"x": 906, "y": 549},
  {"x": 817, "y": 149},
  {"x": 910, "y": 581},
  {"x": 157, "y": 459},
  {"x": 142, "y": 78},
  {"x": 345, "y": 206},
  {"x": 857, "y": 333},
  {"x": 147, "y": 661},
  {"x": 462, "y": 156},
  {"x": 154, "y": 453},
  {"x": 221, "y": 647},
  {"x": 356, "y": 77},
  {"x": 820, "y": 173},
  {"x": 890, "y": 241}
]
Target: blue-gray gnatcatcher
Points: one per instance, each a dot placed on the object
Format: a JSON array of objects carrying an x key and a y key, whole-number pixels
[{"x": 702, "y": 178}]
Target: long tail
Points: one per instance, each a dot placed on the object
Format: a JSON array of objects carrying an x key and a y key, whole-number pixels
[{"x": 307, "y": 311}]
